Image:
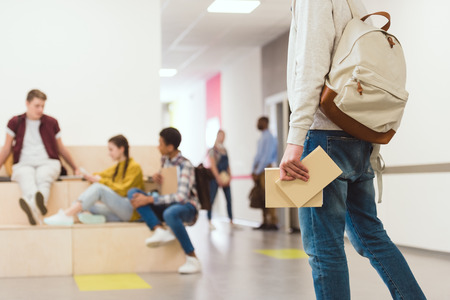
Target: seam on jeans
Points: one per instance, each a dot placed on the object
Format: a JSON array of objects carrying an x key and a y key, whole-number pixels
[
  {"x": 322, "y": 283},
  {"x": 373, "y": 255}
]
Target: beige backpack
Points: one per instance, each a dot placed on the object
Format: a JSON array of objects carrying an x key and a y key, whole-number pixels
[{"x": 364, "y": 93}]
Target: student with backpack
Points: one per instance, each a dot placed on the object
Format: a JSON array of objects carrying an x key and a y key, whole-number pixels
[{"x": 349, "y": 201}]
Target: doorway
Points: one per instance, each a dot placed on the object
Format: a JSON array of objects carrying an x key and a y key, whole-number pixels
[{"x": 277, "y": 109}]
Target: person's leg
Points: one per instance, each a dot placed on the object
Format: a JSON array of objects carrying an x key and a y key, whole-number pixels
[
  {"x": 265, "y": 217},
  {"x": 370, "y": 240},
  {"x": 227, "y": 192},
  {"x": 100, "y": 209},
  {"x": 272, "y": 215},
  {"x": 25, "y": 176},
  {"x": 117, "y": 204},
  {"x": 174, "y": 216},
  {"x": 266, "y": 214},
  {"x": 148, "y": 213},
  {"x": 322, "y": 231},
  {"x": 213, "y": 186},
  {"x": 323, "y": 227},
  {"x": 46, "y": 173}
]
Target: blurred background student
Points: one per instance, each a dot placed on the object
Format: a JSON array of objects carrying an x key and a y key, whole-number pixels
[{"x": 220, "y": 168}]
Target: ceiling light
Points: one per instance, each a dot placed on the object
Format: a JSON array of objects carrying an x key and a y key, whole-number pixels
[
  {"x": 233, "y": 6},
  {"x": 167, "y": 72}
]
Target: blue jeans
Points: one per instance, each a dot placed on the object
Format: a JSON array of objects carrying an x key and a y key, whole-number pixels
[
  {"x": 349, "y": 205},
  {"x": 173, "y": 214},
  {"x": 114, "y": 207},
  {"x": 213, "y": 187},
  {"x": 222, "y": 165}
]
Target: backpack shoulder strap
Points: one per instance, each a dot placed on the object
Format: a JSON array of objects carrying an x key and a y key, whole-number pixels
[{"x": 377, "y": 162}]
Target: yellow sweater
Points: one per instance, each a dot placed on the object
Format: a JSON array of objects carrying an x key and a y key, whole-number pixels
[{"x": 133, "y": 179}]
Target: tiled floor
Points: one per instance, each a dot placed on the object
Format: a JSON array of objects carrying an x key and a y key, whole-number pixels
[{"x": 233, "y": 269}]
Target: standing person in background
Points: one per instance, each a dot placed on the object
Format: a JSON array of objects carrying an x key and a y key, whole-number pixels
[
  {"x": 349, "y": 201},
  {"x": 266, "y": 156},
  {"x": 36, "y": 150},
  {"x": 106, "y": 198},
  {"x": 220, "y": 168}
]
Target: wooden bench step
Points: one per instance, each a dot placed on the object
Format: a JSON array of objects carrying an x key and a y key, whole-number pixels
[{"x": 27, "y": 251}]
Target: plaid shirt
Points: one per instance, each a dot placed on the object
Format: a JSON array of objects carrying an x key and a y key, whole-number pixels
[{"x": 186, "y": 181}]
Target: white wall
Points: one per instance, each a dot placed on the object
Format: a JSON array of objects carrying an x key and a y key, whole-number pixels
[
  {"x": 97, "y": 61},
  {"x": 188, "y": 115},
  {"x": 242, "y": 105},
  {"x": 415, "y": 206}
]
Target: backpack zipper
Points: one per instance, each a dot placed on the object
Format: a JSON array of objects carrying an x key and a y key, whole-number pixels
[{"x": 359, "y": 89}]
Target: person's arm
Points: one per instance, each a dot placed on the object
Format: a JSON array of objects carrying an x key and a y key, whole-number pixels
[
  {"x": 290, "y": 166},
  {"x": 229, "y": 171},
  {"x": 266, "y": 153},
  {"x": 96, "y": 176},
  {"x": 66, "y": 156},
  {"x": 309, "y": 60},
  {"x": 6, "y": 149},
  {"x": 257, "y": 158},
  {"x": 214, "y": 168},
  {"x": 139, "y": 200},
  {"x": 157, "y": 178},
  {"x": 133, "y": 178}
]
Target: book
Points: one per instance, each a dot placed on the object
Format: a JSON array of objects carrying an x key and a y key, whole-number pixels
[
  {"x": 169, "y": 183},
  {"x": 322, "y": 170},
  {"x": 275, "y": 197},
  {"x": 71, "y": 177}
]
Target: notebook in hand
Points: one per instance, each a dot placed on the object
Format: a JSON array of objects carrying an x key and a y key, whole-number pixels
[
  {"x": 275, "y": 197},
  {"x": 322, "y": 171}
]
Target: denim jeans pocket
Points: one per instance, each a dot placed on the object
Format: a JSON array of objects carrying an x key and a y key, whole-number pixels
[{"x": 352, "y": 156}]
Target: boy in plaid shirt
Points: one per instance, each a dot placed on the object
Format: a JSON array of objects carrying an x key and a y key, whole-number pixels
[{"x": 174, "y": 209}]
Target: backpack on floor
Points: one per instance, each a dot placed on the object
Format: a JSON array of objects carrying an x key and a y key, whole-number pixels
[{"x": 364, "y": 93}]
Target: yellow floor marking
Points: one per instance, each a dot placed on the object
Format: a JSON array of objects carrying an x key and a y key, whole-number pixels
[
  {"x": 283, "y": 253},
  {"x": 107, "y": 282}
]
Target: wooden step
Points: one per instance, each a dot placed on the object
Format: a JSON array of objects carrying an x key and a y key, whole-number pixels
[
  {"x": 120, "y": 248},
  {"x": 27, "y": 251}
]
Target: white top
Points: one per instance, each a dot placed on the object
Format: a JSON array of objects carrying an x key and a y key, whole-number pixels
[
  {"x": 33, "y": 148},
  {"x": 316, "y": 29}
]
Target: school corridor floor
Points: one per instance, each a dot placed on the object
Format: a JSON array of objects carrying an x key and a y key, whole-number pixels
[{"x": 238, "y": 263}]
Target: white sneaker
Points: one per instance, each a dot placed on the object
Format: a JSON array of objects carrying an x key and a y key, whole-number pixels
[
  {"x": 59, "y": 219},
  {"x": 191, "y": 266},
  {"x": 160, "y": 236},
  {"x": 87, "y": 218},
  {"x": 212, "y": 227}
]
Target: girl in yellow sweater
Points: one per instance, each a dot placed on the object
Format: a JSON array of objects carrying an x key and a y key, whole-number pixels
[{"x": 106, "y": 198}]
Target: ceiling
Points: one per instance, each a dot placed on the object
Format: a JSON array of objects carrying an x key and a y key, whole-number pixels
[{"x": 199, "y": 44}]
